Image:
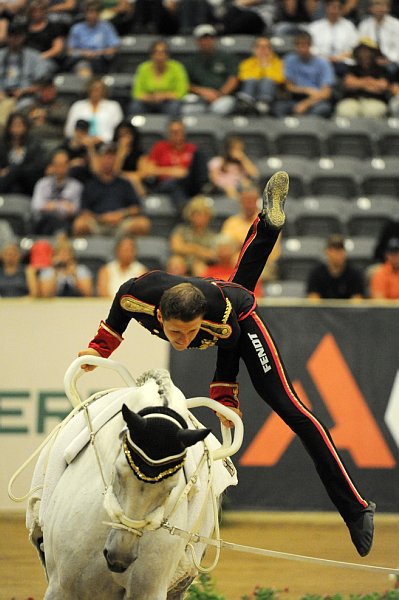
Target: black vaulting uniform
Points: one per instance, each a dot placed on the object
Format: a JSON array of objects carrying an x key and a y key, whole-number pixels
[{"x": 231, "y": 323}]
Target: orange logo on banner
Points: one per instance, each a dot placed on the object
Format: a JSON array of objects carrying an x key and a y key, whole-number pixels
[{"x": 355, "y": 429}]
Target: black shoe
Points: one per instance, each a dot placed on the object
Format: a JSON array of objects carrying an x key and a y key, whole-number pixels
[
  {"x": 362, "y": 530},
  {"x": 273, "y": 199}
]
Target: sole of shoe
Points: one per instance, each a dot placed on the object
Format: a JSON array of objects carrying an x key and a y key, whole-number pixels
[{"x": 273, "y": 199}]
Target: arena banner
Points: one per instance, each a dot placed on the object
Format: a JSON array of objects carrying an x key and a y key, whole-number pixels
[
  {"x": 344, "y": 364},
  {"x": 39, "y": 340}
]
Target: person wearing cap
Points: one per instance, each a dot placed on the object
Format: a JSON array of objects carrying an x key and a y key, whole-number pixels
[
  {"x": 384, "y": 282},
  {"x": 21, "y": 68},
  {"x": 196, "y": 313},
  {"x": 383, "y": 29},
  {"x": 335, "y": 278},
  {"x": 366, "y": 84},
  {"x": 212, "y": 74},
  {"x": 110, "y": 206}
]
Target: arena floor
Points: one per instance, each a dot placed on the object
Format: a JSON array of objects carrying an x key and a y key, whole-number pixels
[{"x": 312, "y": 534}]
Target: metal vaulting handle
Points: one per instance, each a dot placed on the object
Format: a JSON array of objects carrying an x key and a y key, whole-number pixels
[
  {"x": 74, "y": 372},
  {"x": 229, "y": 446}
]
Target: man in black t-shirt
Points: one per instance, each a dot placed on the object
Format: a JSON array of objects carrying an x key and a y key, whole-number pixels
[{"x": 335, "y": 278}]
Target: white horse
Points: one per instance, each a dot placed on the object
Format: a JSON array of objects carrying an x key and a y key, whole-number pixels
[{"x": 107, "y": 526}]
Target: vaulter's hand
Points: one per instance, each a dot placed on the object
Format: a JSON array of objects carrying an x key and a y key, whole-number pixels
[
  {"x": 226, "y": 422},
  {"x": 88, "y": 352}
]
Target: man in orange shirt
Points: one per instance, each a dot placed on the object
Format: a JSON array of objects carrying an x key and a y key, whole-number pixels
[{"x": 385, "y": 279}]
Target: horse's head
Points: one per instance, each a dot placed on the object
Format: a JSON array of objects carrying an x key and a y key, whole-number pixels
[{"x": 155, "y": 443}]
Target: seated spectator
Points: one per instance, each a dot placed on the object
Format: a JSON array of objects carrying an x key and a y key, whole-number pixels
[
  {"x": 21, "y": 69},
  {"x": 124, "y": 266},
  {"x": 81, "y": 149},
  {"x": 62, "y": 12},
  {"x": 177, "y": 265},
  {"x": 384, "y": 282},
  {"x": 102, "y": 114},
  {"x": 48, "y": 112},
  {"x": 110, "y": 206},
  {"x": 212, "y": 74},
  {"x": 365, "y": 86},
  {"x": 236, "y": 227},
  {"x": 333, "y": 36},
  {"x": 45, "y": 37},
  {"x": 159, "y": 83},
  {"x": 383, "y": 29},
  {"x": 174, "y": 166},
  {"x": 129, "y": 152},
  {"x": 228, "y": 173},
  {"x": 92, "y": 43},
  {"x": 292, "y": 15},
  {"x": 335, "y": 278},
  {"x": 21, "y": 157},
  {"x": 66, "y": 277},
  {"x": 8, "y": 12},
  {"x": 16, "y": 279},
  {"x": 250, "y": 17},
  {"x": 56, "y": 197},
  {"x": 309, "y": 81},
  {"x": 260, "y": 77},
  {"x": 195, "y": 240},
  {"x": 122, "y": 15},
  {"x": 227, "y": 253},
  {"x": 390, "y": 230}
]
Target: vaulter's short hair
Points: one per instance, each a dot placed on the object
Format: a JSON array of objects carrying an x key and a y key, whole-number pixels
[{"x": 183, "y": 301}]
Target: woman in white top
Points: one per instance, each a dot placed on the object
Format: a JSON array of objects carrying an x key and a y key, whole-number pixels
[
  {"x": 103, "y": 115},
  {"x": 123, "y": 267}
]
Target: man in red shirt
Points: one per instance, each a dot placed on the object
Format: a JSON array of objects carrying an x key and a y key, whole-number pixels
[
  {"x": 175, "y": 166},
  {"x": 384, "y": 282}
]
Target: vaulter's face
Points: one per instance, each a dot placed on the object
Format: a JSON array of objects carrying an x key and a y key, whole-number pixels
[{"x": 180, "y": 333}]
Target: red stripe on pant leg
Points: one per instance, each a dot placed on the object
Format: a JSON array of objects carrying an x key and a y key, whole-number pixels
[
  {"x": 303, "y": 408},
  {"x": 245, "y": 246}
]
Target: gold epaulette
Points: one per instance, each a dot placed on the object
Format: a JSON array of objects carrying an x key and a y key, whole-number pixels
[
  {"x": 219, "y": 330},
  {"x": 132, "y": 304}
]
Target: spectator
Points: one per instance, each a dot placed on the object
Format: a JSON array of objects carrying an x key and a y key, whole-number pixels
[
  {"x": 62, "y": 12},
  {"x": 8, "y": 12},
  {"x": 129, "y": 152},
  {"x": 334, "y": 37},
  {"x": 122, "y": 15},
  {"x": 48, "y": 112},
  {"x": 15, "y": 278},
  {"x": 21, "y": 157},
  {"x": 250, "y": 17},
  {"x": 124, "y": 266},
  {"x": 92, "y": 44},
  {"x": 292, "y": 15},
  {"x": 21, "y": 69},
  {"x": 309, "y": 81},
  {"x": 212, "y": 74},
  {"x": 174, "y": 166},
  {"x": 335, "y": 278},
  {"x": 66, "y": 277},
  {"x": 102, "y": 114},
  {"x": 56, "y": 197},
  {"x": 195, "y": 240},
  {"x": 365, "y": 86},
  {"x": 159, "y": 83},
  {"x": 176, "y": 265},
  {"x": 80, "y": 147},
  {"x": 227, "y": 253},
  {"x": 236, "y": 227},
  {"x": 228, "y": 173},
  {"x": 390, "y": 230},
  {"x": 384, "y": 281},
  {"x": 45, "y": 37},
  {"x": 110, "y": 205},
  {"x": 260, "y": 76},
  {"x": 383, "y": 29}
]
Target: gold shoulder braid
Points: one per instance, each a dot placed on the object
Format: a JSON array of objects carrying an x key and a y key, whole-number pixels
[
  {"x": 132, "y": 304},
  {"x": 218, "y": 330}
]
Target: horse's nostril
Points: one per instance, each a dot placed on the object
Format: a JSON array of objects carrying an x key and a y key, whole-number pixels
[{"x": 114, "y": 566}]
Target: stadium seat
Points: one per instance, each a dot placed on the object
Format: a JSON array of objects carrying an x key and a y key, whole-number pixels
[
  {"x": 239, "y": 45},
  {"x": 318, "y": 217},
  {"x": 162, "y": 213},
  {"x": 152, "y": 251},
  {"x": 120, "y": 88},
  {"x": 388, "y": 136},
  {"x": 351, "y": 137},
  {"x": 94, "y": 251},
  {"x": 368, "y": 216},
  {"x": 253, "y": 131},
  {"x": 223, "y": 207},
  {"x": 16, "y": 210},
  {"x": 296, "y": 167},
  {"x": 336, "y": 177},
  {"x": 204, "y": 131},
  {"x": 360, "y": 251},
  {"x": 381, "y": 177},
  {"x": 133, "y": 50},
  {"x": 7, "y": 234},
  {"x": 152, "y": 128},
  {"x": 300, "y": 136},
  {"x": 299, "y": 255},
  {"x": 70, "y": 87},
  {"x": 285, "y": 289}
]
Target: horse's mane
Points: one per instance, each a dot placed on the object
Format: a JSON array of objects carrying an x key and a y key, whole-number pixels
[{"x": 163, "y": 381}]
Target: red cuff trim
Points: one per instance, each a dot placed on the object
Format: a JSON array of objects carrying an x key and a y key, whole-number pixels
[{"x": 106, "y": 340}]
